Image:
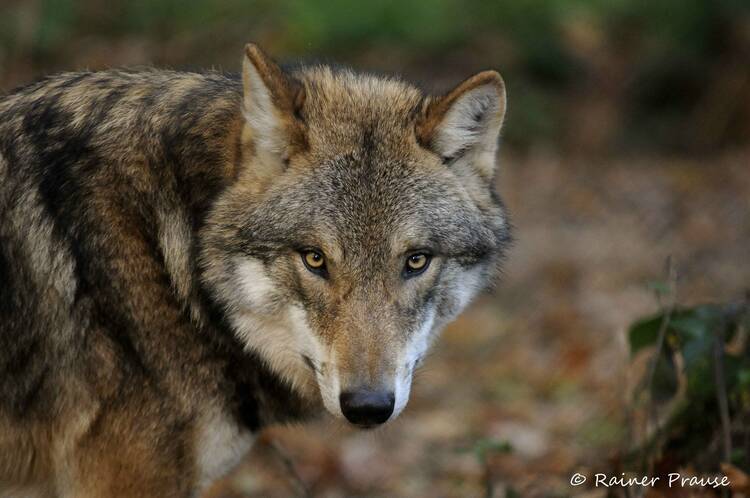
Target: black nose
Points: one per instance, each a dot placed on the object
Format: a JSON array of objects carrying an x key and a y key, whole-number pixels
[{"x": 367, "y": 408}]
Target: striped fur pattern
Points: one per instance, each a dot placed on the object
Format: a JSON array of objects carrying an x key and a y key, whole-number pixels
[{"x": 155, "y": 306}]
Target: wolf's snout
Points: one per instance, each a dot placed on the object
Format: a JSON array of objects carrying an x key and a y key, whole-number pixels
[{"x": 367, "y": 408}]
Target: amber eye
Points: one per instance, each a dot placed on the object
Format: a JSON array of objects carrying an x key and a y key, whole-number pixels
[
  {"x": 314, "y": 261},
  {"x": 416, "y": 263}
]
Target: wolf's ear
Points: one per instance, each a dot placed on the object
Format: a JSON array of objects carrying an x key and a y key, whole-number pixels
[
  {"x": 466, "y": 122},
  {"x": 272, "y": 101}
]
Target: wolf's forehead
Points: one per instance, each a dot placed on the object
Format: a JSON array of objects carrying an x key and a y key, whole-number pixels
[
  {"x": 342, "y": 109},
  {"x": 392, "y": 206}
]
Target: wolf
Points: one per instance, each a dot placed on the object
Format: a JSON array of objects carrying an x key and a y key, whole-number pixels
[{"x": 186, "y": 258}]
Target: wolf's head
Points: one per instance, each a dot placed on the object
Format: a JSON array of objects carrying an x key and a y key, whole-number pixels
[{"x": 363, "y": 220}]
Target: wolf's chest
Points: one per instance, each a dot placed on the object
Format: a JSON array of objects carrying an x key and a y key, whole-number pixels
[{"x": 220, "y": 444}]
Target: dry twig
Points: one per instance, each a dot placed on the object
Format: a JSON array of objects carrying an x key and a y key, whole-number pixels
[
  {"x": 663, "y": 327},
  {"x": 296, "y": 480}
]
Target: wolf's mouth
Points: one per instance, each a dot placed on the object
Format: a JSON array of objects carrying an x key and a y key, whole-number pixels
[{"x": 366, "y": 427}]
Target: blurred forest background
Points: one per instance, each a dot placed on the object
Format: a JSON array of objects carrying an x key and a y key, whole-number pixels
[{"x": 618, "y": 340}]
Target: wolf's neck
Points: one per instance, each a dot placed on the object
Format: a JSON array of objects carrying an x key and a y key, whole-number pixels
[{"x": 256, "y": 394}]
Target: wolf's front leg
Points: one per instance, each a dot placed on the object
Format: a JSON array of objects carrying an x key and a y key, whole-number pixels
[{"x": 138, "y": 447}]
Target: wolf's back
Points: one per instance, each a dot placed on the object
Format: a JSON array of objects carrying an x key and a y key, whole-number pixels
[
  {"x": 39, "y": 324},
  {"x": 148, "y": 142}
]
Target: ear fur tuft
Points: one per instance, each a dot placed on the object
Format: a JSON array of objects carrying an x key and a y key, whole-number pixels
[
  {"x": 466, "y": 121},
  {"x": 272, "y": 101}
]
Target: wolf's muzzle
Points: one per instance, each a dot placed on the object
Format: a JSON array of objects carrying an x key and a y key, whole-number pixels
[{"x": 367, "y": 408}]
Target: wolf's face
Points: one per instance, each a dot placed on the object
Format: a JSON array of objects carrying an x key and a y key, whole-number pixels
[{"x": 363, "y": 222}]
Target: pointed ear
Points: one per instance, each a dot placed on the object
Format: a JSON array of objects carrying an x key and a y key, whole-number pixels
[
  {"x": 272, "y": 101},
  {"x": 466, "y": 122}
]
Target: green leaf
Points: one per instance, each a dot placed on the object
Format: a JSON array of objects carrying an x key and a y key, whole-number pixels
[
  {"x": 665, "y": 382},
  {"x": 738, "y": 457},
  {"x": 687, "y": 324},
  {"x": 698, "y": 353},
  {"x": 743, "y": 378},
  {"x": 697, "y": 322},
  {"x": 644, "y": 333},
  {"x": 659, "y": 287}
]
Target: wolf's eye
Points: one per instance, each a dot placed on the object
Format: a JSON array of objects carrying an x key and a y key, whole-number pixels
[
  {"x": 314, "y": 261},
  {"x": 416, "y": 263}
]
